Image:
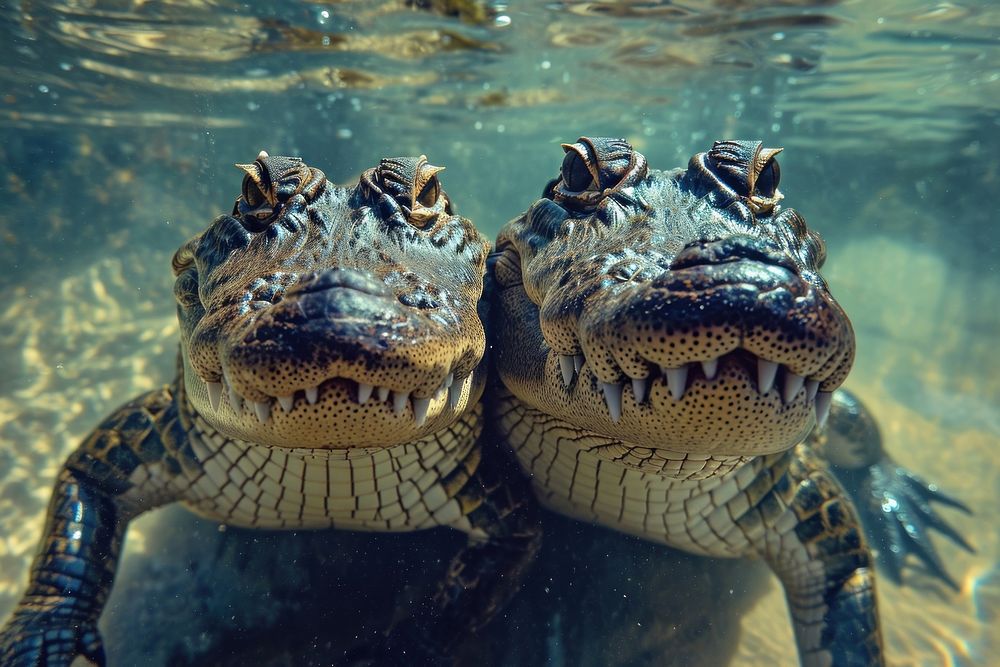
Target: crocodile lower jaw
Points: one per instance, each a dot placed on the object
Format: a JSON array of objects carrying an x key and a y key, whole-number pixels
[{"x": 222, "y": 396}]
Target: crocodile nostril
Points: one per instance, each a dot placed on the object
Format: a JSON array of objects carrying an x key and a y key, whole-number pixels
[
  {"x": 419, "y": 299},
  {"x": 337, "y": 278},
  {"x": 733, "y": 249}
]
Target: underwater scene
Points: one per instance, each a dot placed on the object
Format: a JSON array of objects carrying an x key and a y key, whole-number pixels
[{"x": 120, "y": 125}]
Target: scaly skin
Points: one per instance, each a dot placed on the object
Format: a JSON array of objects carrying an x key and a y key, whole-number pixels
[
  {"x": 330, "y": 374},
  {"x": 666, "y": 341}
]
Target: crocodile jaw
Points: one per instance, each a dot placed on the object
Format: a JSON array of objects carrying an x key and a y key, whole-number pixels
[
  {"x": 335, "y": 413},
  {"x": 714, "y": 406}
]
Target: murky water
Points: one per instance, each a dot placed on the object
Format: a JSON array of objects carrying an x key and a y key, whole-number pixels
[{"x": 119, "y": 125}]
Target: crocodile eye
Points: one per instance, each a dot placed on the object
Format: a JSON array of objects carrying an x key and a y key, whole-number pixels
[
  {"x": 430, "y": 193},
  {"x": 256, "y": 213},
  {"x": 575, "y": 174},
  {"x": 252, "y": 193},
  {"x": 767, "y": 180},
  {"x": 261, "y": 196}
]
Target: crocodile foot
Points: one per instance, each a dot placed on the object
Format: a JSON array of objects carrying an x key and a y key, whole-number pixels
[
  {"x": 894, "y": 503},
  {"x": 43, "y": 638},
  {"x": 896, "y": 510}
]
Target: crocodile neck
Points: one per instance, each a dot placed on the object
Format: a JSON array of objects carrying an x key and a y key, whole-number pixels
[
  {"x": 396, "y": 488},
  {"x": 689, "y": 501}
]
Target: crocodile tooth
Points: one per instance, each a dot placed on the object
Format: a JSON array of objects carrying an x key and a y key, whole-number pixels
[
  {"x": 766, "y": 372},
  {"x": 450, "y": 380},
  {"x": 823, "y": 400},
  {"x": 578, "y": 361},
  {"x": 676, "y": 381},
  {"x": 710, "y": 368},
  {"x": 364, "y": 392},
  {"x": 286, "y": 402},
  {"x": 613, "y": 397},
  {"x": 214, "y": 394},
  {"x": 793, "y": 383},
  {"x": 455, "y": 394},
  {"x": 399, "y": 401},
  {"x": 312, "y": 395},
  {"x": 566, "y": 366},
  {"x": 812, "y": 386},
  {"x": 420, "y": 406},
  {"x": 263, "y": 410},
  {"x": 639, "y": 389},
  {"x": 382, "y": 393},
  {"x": 235, "y": 400},
  {"x": 441, "y": 393}
]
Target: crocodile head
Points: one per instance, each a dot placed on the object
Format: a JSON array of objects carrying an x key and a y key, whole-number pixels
[
  {"x": 682, "y": 310},
  {"x": 328, "y": 317}
]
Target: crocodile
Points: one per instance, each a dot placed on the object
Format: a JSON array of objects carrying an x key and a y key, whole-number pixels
[
  {"x": 665, "y": 343},
  {"x": 330, "y": 373}
]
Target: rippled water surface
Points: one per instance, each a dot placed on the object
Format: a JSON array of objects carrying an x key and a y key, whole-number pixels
[{"x": 119, "y": 126}]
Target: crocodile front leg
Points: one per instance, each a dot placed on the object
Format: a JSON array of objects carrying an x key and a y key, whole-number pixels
[
  {"x": 812, "y": 538},
  {"x": 894, "y": 503},
  {"x": 98, "y": 490},
  {"x": 504, "y": 528}
]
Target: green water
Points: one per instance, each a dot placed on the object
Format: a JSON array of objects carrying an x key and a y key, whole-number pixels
[{"x": 119, "y": 126}]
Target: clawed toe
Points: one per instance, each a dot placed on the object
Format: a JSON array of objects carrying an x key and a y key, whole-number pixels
[{"x": 895, "y": 507}]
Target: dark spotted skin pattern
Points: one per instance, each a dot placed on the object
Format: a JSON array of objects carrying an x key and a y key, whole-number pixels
[
  {"x": 331, "y": 367},
  {"x": 666, "y": 343}
]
